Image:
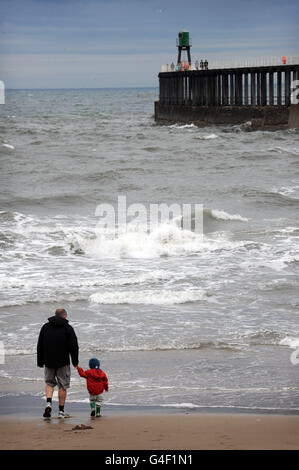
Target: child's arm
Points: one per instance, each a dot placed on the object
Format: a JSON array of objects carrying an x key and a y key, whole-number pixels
[
  {"x": 81, "y": 372},
  {"x": 105, "y": 381}
]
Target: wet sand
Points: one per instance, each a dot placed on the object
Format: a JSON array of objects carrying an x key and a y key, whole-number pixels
[{"x": 144, "y": 432}]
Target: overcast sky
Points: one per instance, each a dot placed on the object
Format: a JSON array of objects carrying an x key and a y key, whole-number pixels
[{"x": 123, "y": 43}]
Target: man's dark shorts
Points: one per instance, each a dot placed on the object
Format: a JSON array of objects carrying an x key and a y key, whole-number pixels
[{"x": 60, "y": 377}]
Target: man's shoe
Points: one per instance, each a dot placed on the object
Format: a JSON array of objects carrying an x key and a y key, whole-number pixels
[
  {"x": 62, "y": 414},
  {"x": 48, "y": 410}
]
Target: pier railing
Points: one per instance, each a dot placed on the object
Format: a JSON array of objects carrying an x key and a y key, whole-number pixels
[
  {"x": 238, "y": 63},
  {"x": 248, "y": 86}
]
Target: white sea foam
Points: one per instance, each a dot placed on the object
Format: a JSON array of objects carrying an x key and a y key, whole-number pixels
[
  {"x": 205, "y": 137},
  {"x": 9, "y": 146},
  {"x": 182, "y": 126},
  {"x": 38, "y": 297},
  {"x": 180, "y": 405},
  {"x": 222, "y": 215},
  {"x": 183, "y": 405},
  {"x": 19, "y": 352},
  {"x": 79, "y": 400},
  {"x": 290, "y": 341},
  {"x": 166, "y": 240},
  {"x": 192, "y": 405},
  {"x": 52, "y": 283},
  {"x": 291, "y": 192},
  {"x": 260, "y": 336},
  {"x": 210, "y": 136},
  {"x": 118, "y": 345},
  {"x": 278, "y": 149},
  {"x": 152, "y": 297}
]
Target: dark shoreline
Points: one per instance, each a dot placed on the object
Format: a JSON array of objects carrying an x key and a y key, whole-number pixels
[{"x": 28, "y": 406}]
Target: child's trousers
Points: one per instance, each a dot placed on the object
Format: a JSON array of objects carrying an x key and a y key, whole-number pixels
[{"x": 96, "y": 399}]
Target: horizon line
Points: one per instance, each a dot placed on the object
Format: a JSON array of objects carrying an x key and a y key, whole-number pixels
[{"x": 83, "y": 88}]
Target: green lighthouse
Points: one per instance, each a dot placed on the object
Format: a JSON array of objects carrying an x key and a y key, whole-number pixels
[{"x": 183, "y": 43}]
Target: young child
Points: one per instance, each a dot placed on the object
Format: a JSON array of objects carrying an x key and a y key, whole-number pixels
[{"x": 97, "y": 382}]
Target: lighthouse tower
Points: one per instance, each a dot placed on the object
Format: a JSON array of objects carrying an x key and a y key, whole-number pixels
[{"x": 183, "y": 43}]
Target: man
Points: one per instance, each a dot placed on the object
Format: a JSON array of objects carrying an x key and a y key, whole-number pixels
[{"x": 56, "y": 343}]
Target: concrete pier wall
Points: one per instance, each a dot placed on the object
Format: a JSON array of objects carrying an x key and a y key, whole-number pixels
[
  {"x": 294, "y": 117},
  {"x": 262, "y": 95},
  {"x": 261, "y": 117}
]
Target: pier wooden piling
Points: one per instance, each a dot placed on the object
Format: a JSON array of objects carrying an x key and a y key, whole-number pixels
[{"x": 228, "y": 96}]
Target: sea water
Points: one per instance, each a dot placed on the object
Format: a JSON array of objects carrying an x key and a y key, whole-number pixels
[{"x": 177, "y": 319}]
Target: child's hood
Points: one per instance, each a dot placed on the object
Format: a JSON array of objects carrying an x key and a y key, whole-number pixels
[{"x": 95, "y": 373}]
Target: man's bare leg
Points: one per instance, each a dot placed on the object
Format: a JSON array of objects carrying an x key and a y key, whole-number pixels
[
  {"x": 61, "y": 400},
  {"x": 49, "y": 391},
  {"x": 61, "y": 396}
]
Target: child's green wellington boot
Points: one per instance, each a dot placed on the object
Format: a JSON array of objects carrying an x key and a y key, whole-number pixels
[
  {"x": 98, "y": 415},
  {"x": 93, "y": 408}
]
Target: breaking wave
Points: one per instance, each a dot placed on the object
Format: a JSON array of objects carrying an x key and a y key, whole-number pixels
[
  {"x": 9, "y": 146},
  {"x": 290, "y": 192},
  {"x": 149, "y": 297},
  {"x": 242, "y": 343},
  {"x": 222, "y": 215},
  {"x": 290, "y": 341}
]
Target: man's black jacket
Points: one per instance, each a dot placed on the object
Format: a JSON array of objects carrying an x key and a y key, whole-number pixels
[{"x": 57, "y": 341}]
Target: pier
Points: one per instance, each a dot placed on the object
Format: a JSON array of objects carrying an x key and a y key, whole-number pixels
[
  {"x": 229, "y": 96},
  {"x": 254, "y": 86},
  {"x": 265, "y": 95}
]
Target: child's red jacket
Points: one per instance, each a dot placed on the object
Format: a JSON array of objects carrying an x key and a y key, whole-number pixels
[{"x": 97, "y": 380}]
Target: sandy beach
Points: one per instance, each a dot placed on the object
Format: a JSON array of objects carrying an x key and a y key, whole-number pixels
[{"x": 136, "y": 432}]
